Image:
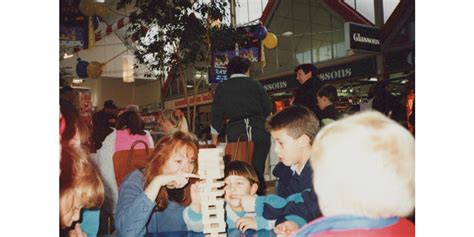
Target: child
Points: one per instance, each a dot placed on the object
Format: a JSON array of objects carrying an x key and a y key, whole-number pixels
[
  {"x": 80, "y": 185},
  {"x": 374, "y": 188},
  {"x": 293, "y": 130},
  {"x": 153, "y": 200},
  {"x": 172, "y": 121},
  {"x": 326, "y": 96},
  {"x": 241, "y": 185}
]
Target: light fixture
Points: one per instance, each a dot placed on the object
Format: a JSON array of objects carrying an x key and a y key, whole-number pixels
[
  {"x": 287, "y": 34},
  {"x": 77, "y": 81},
  {"x": 372, "y": 79},
  {"x": 127, "y": 68},
  {"x": 189, "y": 86},
  {"x": 66, "y": 56},
  {"x": 101, "y": 1}
]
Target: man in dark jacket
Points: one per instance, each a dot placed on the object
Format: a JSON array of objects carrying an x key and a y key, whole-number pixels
[
  {"x": 245, "y": 104},
  {"x": 309, "y": 85}
]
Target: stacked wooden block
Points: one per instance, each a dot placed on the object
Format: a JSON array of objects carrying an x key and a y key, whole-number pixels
[{"x": 211, "y": 168}]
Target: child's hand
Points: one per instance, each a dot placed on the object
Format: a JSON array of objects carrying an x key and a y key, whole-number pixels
[
  {"x": 285, "y": 228},
  {"x": 248, "y": 202},
  {"x": 245, "y": 223},
  {"x": 196, "y": 197}
]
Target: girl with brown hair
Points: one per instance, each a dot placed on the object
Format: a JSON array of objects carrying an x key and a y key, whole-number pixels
[{"x": 79, "y": 183}]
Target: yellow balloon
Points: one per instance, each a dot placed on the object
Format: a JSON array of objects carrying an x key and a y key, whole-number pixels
[
  {"x": 101, "y": 9},
  {"x": 87, "y": 7},
  {"x": 270, "y": 41}
]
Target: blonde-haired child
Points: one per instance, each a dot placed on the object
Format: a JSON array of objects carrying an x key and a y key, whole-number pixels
[
  {"x": 172, "y": 121},
  {"x": 364, "y": 176}
]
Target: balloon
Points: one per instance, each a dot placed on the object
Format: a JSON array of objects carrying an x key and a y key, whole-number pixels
[
  {"x": 101, "y": 9},
  {"x": 87, "y": 7},
  {"x": 270, "y": 41},
  {"x": 261, "y": 32},
  {"x": 94, "y": 69},
  {"x": 81, "y": 69}
]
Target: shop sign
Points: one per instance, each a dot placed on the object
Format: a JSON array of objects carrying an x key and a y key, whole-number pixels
[
  {"x": 280, "y": 83},
  {"x": 360, "y": 68},
  {"x": 217, "y": 74},
  {"x": 362, "y": 38},
  {"x": 203, "y": 98}
]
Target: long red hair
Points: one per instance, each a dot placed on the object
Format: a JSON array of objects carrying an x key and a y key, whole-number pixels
[{"x": 164, "y": 150}]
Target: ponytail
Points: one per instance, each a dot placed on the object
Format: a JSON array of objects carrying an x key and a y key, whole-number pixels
[{"x": 182, "y": 124}]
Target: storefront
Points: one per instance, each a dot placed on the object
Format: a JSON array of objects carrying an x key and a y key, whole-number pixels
[
  {"x": 349, "y": 51},
  {"x": 341, "y": 72}
]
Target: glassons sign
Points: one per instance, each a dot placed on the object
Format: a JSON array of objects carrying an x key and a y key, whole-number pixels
[{"x": 362, "y": 38}]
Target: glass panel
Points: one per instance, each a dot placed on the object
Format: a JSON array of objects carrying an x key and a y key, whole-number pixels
[
  {"x": 241, "y": 11},
  {"x": 270, "y": 56},
  {"x": 249, "y": 10},
  {"x": 256, "y": 8},
  {"x": 301, "y": 10},
  {"x": 350, "y": 3},
  {"x": 388, "y": 8},
  {"x": 366, "y": 8},
  {"x": 302, "y": 50},
  {"x": 284, "y": 9},
  {"x": 339, "y": 48}
]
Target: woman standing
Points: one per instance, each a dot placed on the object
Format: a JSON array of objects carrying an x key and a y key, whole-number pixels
[{"x": 129, "y": 129}]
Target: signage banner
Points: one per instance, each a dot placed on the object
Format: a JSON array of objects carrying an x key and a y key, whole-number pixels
[
  {"x": 362, "y": 37},
  {"x": 280, "y": 83},
  {"x": 199, "y": 99},
  {"x": 360, "y": 68},
  {"x": 250, "y": 49},
  {"x": 73, "y": 30}
]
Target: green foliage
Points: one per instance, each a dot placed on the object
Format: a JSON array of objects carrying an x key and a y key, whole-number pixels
[{"x": 182, "y": 39}]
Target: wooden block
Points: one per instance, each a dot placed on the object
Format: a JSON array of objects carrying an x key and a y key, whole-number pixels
[
  {"x": 218, "y": 202},
  {"x": 212, "y": 184},
  {"x": 210, "y": 152},
  {"x": 210, "y": 174},
  {"x": 211, "y": 192},
  {"x": 214, "y": 227},
  {"x": 213, "y": 234},
  {"x": 208, "y": 212}
]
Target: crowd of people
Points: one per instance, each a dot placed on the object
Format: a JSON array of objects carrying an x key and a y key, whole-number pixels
[{"x": 351, "y": 176}]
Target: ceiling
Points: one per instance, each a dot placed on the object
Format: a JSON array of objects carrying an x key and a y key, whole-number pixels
[{"x": 107, "y": 50}]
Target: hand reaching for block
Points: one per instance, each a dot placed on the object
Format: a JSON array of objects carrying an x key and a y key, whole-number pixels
[{"x": 176, "y": 180}]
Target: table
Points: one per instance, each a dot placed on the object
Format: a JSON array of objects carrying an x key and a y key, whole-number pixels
[{"x": 230, "y": 233}]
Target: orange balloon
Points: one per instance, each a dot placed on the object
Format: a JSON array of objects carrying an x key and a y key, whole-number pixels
[
  {"x": 270, "y": 41},
  {"x": 87, "y": 7},
  {"x": 94, "y": 69},
  {"x": 101, "y": 9}
]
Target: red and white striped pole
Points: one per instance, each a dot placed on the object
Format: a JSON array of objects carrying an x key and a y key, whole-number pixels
[{"x": 111, "y": 28}]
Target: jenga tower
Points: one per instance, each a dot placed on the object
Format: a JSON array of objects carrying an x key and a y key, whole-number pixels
[{"x": 211, "y": 168}]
